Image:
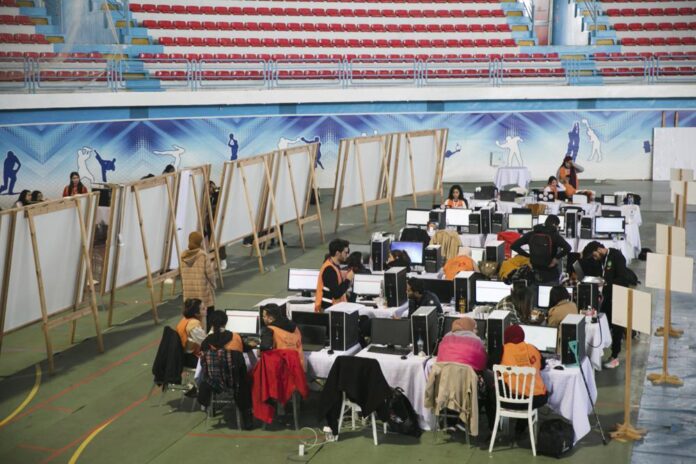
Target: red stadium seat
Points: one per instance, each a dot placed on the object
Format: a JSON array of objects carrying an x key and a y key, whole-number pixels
[
  {"x": 667, "y": 26},
  {"x": 195, "y": 25},
  {"x": 196, "y": 42},
  {"x": 222, "y": 10},
  {"x": 462, "y": 27},
  {"x": 434, "y": 28},
  {"x": 635, "y": 27},
  {"x": 207, "y": 10},
  {"x": 193, "y": 10}
]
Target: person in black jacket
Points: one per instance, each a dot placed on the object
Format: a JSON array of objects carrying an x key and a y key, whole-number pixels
[
  {"x": 399, "y": 258},
  {"x": 333, "y": 283},
  {"x": 610, "y": 264},
  {"x": 273, "y": 317},
  {"x": 418, "y": 296},
  {"x": 355, "y": 264},
  {"x": 551, "y": 272}
]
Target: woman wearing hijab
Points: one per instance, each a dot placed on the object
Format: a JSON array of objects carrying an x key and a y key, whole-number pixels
[
  {"x": 568, "y": 175},
  {"x": 197, "y": 274},
  {"x": 461, "y": 345}
]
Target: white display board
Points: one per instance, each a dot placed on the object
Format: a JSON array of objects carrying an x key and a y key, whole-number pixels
[
  {"x": 678, "y": 240},
  {"x": 190, "y": 207},
  {"x": 642, "y": 309},
  {"x": 673, "y": 147},
  {"x": 426, "y": 149},
  {"x": 236, "y": 203},
  {"x": 292, "y": 181},
  {"x": 681, "y": 174},
  {"x": 355, "y": 178},
  {"x": 59, "y": 244},
  {"x": 681, "y": 276},
  {"x": 129, "y": 259}
]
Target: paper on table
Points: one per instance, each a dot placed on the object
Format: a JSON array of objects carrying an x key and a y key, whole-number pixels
[
  {"x": 642, "y": 308},
  {"x": 681, "y": 174},
  {"x": 681, "y": 274},
  {"x": 678, "y": 240}
]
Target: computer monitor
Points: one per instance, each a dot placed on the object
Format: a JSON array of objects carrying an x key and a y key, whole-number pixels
[
  {"x": 478, "y": 254},
  {"x": 609, "y": 200},
  {"x": 417, "y": 217},
  {"x": 561, "y": 220},
  {"x": 365, "y": 250},
  {"x": 609, "y": 225},
  {"x": 521, "y": 211},
  {"x": 243, "y": 322},
  {"x": 314, "y": 327},
  {"x": 520, "y": 221},
  {"x": 543, "y": 338},
  {"x": 457, "y": 217},
  {"x": 367, "y": 285},
  {"x": 580, "y": 199},
  {"x": 395, "y": 332},
  {"x": 491, "y": 292},
  {"x": 413, "y": 249},
  {"x": 303, "y": 280},
  {"x": 544, "y": 294},
  {"x": 442, "y": 288}
]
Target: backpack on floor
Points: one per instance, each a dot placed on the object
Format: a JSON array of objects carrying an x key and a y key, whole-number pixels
[
  {"x": 555, "y": 438},
  {"x": 402, "y": 417}
]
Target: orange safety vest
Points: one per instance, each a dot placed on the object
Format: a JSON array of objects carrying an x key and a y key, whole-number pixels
[
  {"x": 235, "y": 344},
  {"x": 284, "y": 340},
  {"x": 524, "y": 355},
  {"x": 320, "y": 286},
  {"x": 455, "y": 204},
  {"x": 181, "y": 330},
  {"x": 564, "y": 173}
]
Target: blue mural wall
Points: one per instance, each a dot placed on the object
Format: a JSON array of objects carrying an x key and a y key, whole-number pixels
[{"x": 608, "y": 143}]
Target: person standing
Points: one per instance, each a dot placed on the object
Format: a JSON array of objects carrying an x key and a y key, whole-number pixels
[
  {"x": 75, "y": 187},
  {"x": 546, "y": 249},
  {"x": 197, "y": 274},
  {"x": 568, "y": 175},
  {"x": 333, "y": 283},
  {"x": 9, "y": 173}
]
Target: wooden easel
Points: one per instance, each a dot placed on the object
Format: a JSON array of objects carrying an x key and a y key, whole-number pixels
[
  {"x": 659, "y": 332},
  {"x": 439, "y": 141},
  {"x": 665, "y": 377},
  {"x": 86, "y": 264},
  {"x": 383, "y": 190},
  {"x": 302, "y": 209},
  {"x": 7, "y": 266},
  {"x": 625, "y": 431}
]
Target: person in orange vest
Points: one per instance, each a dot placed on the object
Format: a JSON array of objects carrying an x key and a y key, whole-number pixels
[
  {"x": 220, "y": 337},
  {"x": 333, "y": 283},
  {"x": 280, "y": 333},
  {"x": 518, "y": 353},
  {"x": 455, "y": 199},
  {"x": 191, "y": 331}
]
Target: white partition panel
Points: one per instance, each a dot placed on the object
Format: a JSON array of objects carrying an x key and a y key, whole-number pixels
[
  {"x": 673, "y": 147},
  {"x": 360, "y": 170}
]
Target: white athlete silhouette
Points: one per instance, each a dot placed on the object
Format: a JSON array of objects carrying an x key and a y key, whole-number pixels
[
  {"x": 86, "y": 176},
  {"x": 284, "y": 143},
  {"x": 513, "y": 146},
  {"x": 175, "y": 153},
  {"x": 594, "y": 140}
]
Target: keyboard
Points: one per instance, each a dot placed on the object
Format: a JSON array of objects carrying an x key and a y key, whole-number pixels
[
  {"x": 389, "y": 350},
  {"x": 298, "y": 302}
]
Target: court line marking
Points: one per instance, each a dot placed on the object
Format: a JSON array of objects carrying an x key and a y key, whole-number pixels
[{"x": 27, "y": 400}]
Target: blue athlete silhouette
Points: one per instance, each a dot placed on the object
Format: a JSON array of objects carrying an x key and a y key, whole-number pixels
[
  {"x": 316, "y": 140},
  {"x": 234, "y": 147},
  {"x": 449, "y": 153},
  {"x": 573, "y": 141},
  {"x": 9, "y": 174},
  {"x": 106, "y": 165}
]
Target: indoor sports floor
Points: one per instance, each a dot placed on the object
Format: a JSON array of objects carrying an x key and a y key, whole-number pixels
[{"x": 95, "y": 408}]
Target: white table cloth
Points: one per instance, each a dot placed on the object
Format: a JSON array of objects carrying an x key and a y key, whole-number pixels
[
  {"x": 473, "y": 203},
  {"x": 319, "y": 363},
  {"x": 409, "y": 375},
  {"x": 597, "y": 339},
  {"x": 507, "y": 206},
  {"x": 511, "y": 175},
  {"x": 568, "y": 395},
  {"x": 472, "y": 240}
]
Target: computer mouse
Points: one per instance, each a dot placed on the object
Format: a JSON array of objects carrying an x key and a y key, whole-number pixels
[
  {"x": 330, "y": 352},
  {"x": 403, "y": 356},
  {"x": 559, "y": 368}
]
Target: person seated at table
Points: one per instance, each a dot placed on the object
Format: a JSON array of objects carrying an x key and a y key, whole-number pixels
[
  {"x": 191, "y": 331},
  {"x": 455, "y": 199},
  {"x": 418, "y": 296},
  {"x": 519, "y": 303},
  {"x": 462, "y": 262},
  {"x": 560, "y": 306},
  {"x": 355, "y": 263},
  {"x": 552, "y": 189},
  {"x": 280, "y": 333},
  {"x": 333, "y": 283},
  {"x": 398, "y": 258},
  {"x": 568, "y": 175},
  {"x": 518, "y": 353},
  {"x": 220, "y": 337}
]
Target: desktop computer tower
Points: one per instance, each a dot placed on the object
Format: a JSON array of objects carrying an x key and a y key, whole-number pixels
[
  {"x": 432, "y": 258},
  {"x": 498, "y": 321},
  {"x": 588, "y": 296},
  {"x": 496, "y": 251},
  {"x": 499, "y": 223},
  {"x": 571, "y": 223},
  {"x": 464, "y": 291},
  {"x": 586, "y": 227},
  {"x": 475, "y": 223},
  {"x": 395, "y": 286},
  {"x": 486, "y": 220},
  {"x": 572, "y": 329},
  {"x": 424, "y": 326},
  {"x": 380, "y": 250},
  {"x": 438, "y": 216},
  {"x": 344, "y": 328}
]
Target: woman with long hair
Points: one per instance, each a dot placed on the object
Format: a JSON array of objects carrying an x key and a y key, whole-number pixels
[
  {"x": 568, "y": 175},
  {"x": 75, "y": 187},
  {"x": 455, "y": 199},
  {"x": 23, "y": 199}
]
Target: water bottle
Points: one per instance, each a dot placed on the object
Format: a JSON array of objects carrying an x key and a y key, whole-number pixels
[{"x": 419, "y": 345}]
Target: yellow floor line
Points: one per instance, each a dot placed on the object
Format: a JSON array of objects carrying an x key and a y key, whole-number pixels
[
  {"x": 28, "y": 399},
  {"x": 84, "y": 444}
]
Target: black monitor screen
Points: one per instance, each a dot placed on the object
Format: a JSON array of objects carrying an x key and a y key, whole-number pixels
[
  {"x": 314, "y": 327},
  {"x": 442, "y": 288},
  {"x": 395, "y": 332}
]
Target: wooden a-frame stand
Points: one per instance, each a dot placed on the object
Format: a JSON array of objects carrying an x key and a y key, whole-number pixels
[
  {"x": 384, "y": 189},
  {"x": 439, "y": 140},
  {"x": 625, "y": 431}
]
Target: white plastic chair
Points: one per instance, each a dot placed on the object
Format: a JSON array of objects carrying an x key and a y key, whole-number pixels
[
  {"x": 354, "y": 408},
  {"x": 518, "y": 378}
]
